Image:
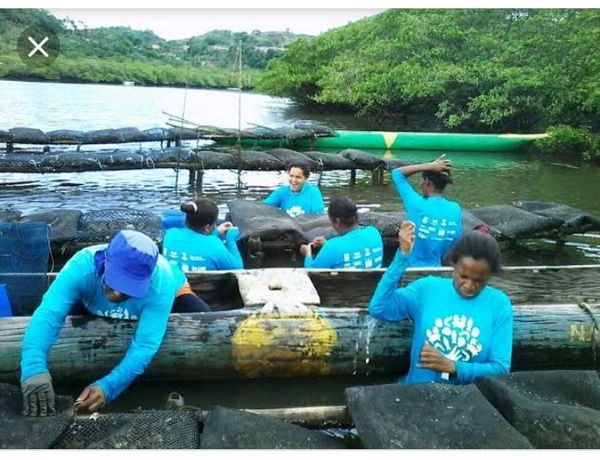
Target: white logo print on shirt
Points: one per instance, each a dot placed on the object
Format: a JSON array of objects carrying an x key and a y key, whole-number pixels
[
  {"x": 295, "y": 211},
  {"x": 456, "y": 337}
]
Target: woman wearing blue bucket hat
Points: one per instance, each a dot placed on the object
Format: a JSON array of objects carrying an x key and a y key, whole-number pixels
[{"x": 127, "y": 279}]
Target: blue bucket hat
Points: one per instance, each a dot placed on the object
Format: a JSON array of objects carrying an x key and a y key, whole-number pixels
[{"x": 130, "y": 260}]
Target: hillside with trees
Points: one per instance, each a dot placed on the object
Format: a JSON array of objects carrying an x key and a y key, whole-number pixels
[{"x": 117, "y": 54}]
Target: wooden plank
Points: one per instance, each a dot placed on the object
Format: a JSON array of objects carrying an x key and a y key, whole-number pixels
[
  {"x": 250, "y": 344},
  {"x": 310, "y": 417}
]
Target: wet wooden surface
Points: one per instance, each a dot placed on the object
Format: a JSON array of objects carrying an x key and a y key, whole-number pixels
[{"x": 328, "y": 341}]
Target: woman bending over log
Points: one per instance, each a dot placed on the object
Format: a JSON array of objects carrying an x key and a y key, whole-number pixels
[
  {"x": 353, "y": 247},
  {"x": 298, "y": 197},
  {"x": 127, "y": 279},
  {"x": 463, "y": 328},
  {"x": 201, "y": 245}
]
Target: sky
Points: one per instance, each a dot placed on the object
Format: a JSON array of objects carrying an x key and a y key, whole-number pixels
[{"x": 173, "y": 24}]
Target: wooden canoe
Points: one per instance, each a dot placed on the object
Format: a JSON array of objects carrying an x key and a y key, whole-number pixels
[
  {"x": 556, "y": 311},
  {"x": 344, "y": 139}
]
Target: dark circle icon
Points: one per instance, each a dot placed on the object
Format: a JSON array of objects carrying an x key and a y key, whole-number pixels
[{"x": 38, "y": 46}]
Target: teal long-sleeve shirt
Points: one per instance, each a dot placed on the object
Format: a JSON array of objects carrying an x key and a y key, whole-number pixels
[
  {"x": 193, "y": 252},
  {"x": 79, "y": 280},
  {"x": 361, "y": 247},
  {"x": 438, "y": 223},
  {"x": 308, "y": 201},
  {"x": 476, "y": 333}
]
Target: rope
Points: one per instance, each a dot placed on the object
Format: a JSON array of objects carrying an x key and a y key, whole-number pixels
[
  {"x": 37, "y": 164},
  {"x": 187, "y": 84}
]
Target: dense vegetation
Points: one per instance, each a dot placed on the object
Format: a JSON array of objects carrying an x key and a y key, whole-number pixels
[
  {"x": 468, "y": 70},
  {"x": 117, "y": 54},
  {"x": 570, "y": 143}
]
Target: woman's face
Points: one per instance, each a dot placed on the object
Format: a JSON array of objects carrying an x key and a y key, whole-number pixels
[
  {"x": 470, "y": 276},
  {"x": 112, "y": 295},
  {"x": 297, "y": 179}
]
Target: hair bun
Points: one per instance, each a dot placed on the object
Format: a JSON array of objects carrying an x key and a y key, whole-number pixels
[{"x": 189, "y": 207}]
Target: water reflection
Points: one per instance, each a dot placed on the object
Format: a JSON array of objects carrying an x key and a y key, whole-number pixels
[{"x": 480, "y": 179}]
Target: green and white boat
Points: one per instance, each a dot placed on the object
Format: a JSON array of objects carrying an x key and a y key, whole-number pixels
[{"x": 386, "y": 140}]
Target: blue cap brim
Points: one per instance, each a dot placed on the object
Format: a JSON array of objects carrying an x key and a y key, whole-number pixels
[{"x": 124, "y": 282}]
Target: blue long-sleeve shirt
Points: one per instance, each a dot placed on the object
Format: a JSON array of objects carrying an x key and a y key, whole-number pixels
[
  {"x": 438, "y": 223},
  {"x": 79, "y": 280},
  {"x": 308, "y": 201},
  {"x": 361, "y": 247},
  {"x": 192, "y": 251},
  {"x": 476, "y": 333}
]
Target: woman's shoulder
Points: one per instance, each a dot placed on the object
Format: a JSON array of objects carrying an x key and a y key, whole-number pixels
[
  {"x": 453, "y": 204},
  {"x": 370, "y": 230},
  {"x": 432, "y": 281},
  {"x": 181, "y": 233},
  {"x": 310, "y": 187},
  {"x": 174, "y": 232},
  {"x": 498, "y": 295}
]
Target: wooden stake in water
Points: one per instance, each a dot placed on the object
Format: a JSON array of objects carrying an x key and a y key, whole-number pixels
[
  {"x": 239, "y": 138},
  {"x": 178, "y": 138}
]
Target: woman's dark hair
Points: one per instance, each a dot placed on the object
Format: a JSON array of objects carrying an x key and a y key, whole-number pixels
[
  {"x": 344, "y": 209},
  {"x": 439, "y": 180},
  {"x": 477, "y": 245},
  {"x": 303, "y": 165},
  {"x": 199, "y": 213}
]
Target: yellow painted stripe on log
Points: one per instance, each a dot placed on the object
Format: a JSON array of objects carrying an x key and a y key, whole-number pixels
[
  {"x": 529, "y": 137},
  {"x": 388, "y": 155},
  {"x": 389, "y": 138},
  {"x": 270, "y": 344}
]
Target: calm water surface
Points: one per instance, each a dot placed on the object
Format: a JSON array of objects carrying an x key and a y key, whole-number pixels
[{"x": 480, "y": 179}]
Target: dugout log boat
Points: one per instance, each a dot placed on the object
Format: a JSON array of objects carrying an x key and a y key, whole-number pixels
[
  {"x": 556, "y": 318},
  {"x": 385, "y": 140}
]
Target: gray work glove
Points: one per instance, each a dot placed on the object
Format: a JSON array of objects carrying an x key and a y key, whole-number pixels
[{"x": 38, "y": 395}]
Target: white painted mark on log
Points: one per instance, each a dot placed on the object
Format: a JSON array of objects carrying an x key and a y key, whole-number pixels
[{"x": 371, "y": 322}]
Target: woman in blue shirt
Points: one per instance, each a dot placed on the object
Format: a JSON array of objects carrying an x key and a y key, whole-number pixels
[
  {"x": 463, "y": 328},
  {"x": 127, "y": 279},
  {"x": 201, "y": 246},
  {"x": 298, "y": 197},
  {"x": 438, "y": 220},
  {"x": 353, "y": 247}
]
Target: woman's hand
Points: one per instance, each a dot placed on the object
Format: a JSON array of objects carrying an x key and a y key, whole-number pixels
[
  {"x": 91, "y": 399},
  {"x": 430, "y": 358},
  {"x": 441, "y": 166},
  {"x": 305, "y": 250},
  {"x": 224, "y": 227},
  {"x": 406, "y": 237},
  {"x": 318, "y": 242}
]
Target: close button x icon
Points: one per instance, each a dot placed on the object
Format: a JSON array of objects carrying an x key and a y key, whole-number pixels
[{"x": 38, "y": 46}]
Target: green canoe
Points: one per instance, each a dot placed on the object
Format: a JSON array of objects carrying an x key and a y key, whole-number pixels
[{"x": 406, "y": 141}]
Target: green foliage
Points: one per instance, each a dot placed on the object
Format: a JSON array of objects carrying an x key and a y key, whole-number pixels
[
  {"x": 108, "y": 71},
  {"x": 24, "y": 18},
  {"x": 474, "y": 70},
  {"x": 568, "y": 142},
  {"x": 117, "y": 54}
]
